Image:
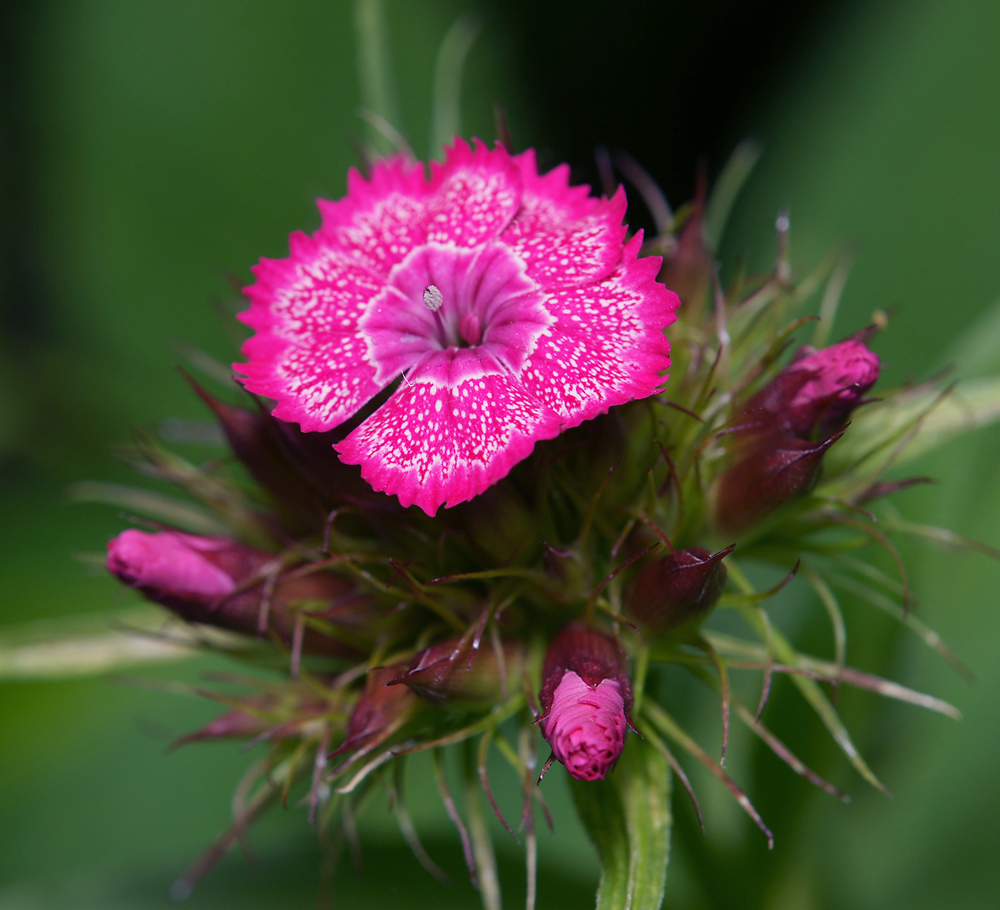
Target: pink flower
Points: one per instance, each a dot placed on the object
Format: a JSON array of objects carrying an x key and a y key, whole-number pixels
[
  {"x": 586, "y": 698},
  {"x": 500, "y": 304}
]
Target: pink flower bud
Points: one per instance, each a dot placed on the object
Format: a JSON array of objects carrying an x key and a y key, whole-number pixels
[
  {"x": 586, "y": 697},
  {"x": 170, "y": 564},
  {"x": 835, "y": 379},
  {"x": 815, "y": 394},
  {"x": 220, "y": 582},
  {"x": 677, "y": 589}
]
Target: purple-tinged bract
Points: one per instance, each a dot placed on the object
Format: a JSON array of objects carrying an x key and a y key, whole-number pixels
[{"x": 502, "y": 304}]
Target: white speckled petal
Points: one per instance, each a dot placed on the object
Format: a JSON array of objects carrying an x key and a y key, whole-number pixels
[
  {"x": 475, "y": 193},
  {"x": 607, "y": 345},
  {"x": 565, "y": 236},
  {"x": 317, "y": 384},
  {"x": 380, "y": 219},
  {"x": 308, "y": 354},
  {"x": 434, "y": 443}
]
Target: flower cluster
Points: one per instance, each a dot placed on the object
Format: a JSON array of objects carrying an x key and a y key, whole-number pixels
[{"x": 491, "y": 340}]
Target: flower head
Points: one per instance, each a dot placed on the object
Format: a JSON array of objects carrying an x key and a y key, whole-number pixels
[
  {"x": 501, "y": 303},
  {"x": 586, "y": 698}
]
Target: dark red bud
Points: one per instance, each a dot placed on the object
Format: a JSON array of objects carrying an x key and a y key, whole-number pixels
[
  {"x": 278, "y": 717},
  {"x": 378, "y": 710},
  {"x": 255, "y": 441},
  {"x": 454, "y": 670},
  {"x": 677, "y": 589},
  {"x": 235, "y": 724},
  {"x": 300, "y": 470},
  {"x": 775, "y": 473}
]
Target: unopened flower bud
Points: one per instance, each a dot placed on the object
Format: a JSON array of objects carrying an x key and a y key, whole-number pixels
[
  {"x": 254, "y": 439},
  {"x": 234, "y": 724},
  {"x": 220, "y": 582},
  {"x": 300, "y": 470},
  {"x": 454, "y": 670},
  {"x": 278, "y": 715},
  {"x": 677, "y": 589},
  {"x": 687, "y": 266},
  {"x": 173, "y": 566},
  {"x": 771, "y": 475},
  {"x": 586, "y": 697},
  {"x": 815, "y": 394},
  {"x": 838, "y": 377},
  {"x": 380, "y": 708}
]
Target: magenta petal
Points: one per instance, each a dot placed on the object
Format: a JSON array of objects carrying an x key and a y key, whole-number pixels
[
  {"x": 308, "y": 354},
  {"x": 607, "y": 345},
  {"x": 476, "y": 192},
  {"x": 445, "y": 438},
  {"x": 565, "y": 236},
  {"x": 314, "y": 290},
  {"x": 169, "y": 562},
  {"x": 380, "y": 219},
  {"x": 318, "y": 383}
]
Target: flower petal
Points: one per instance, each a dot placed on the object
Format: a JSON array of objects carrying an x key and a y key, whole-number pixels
[
  {"x": 316, "y": 289},
  {"x": 318, "y": 383},
  {"x": 308, "y": 353},
  {"x": 449, "y": 434},
  {"x": 607, "y": 345},
  {"x": 565, "y": 236},
  {"x": 380, "y": 219},
  {"x": 476, "y": 192}
]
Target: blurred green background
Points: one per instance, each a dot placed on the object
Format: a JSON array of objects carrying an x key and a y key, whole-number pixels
[{"x": 152, "y": 150}]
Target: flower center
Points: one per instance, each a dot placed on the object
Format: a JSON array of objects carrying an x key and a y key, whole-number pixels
[{"x": 442, "y": 299}]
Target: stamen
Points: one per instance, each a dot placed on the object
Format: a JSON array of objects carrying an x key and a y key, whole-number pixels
[{"x": 433, "y": 298}]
